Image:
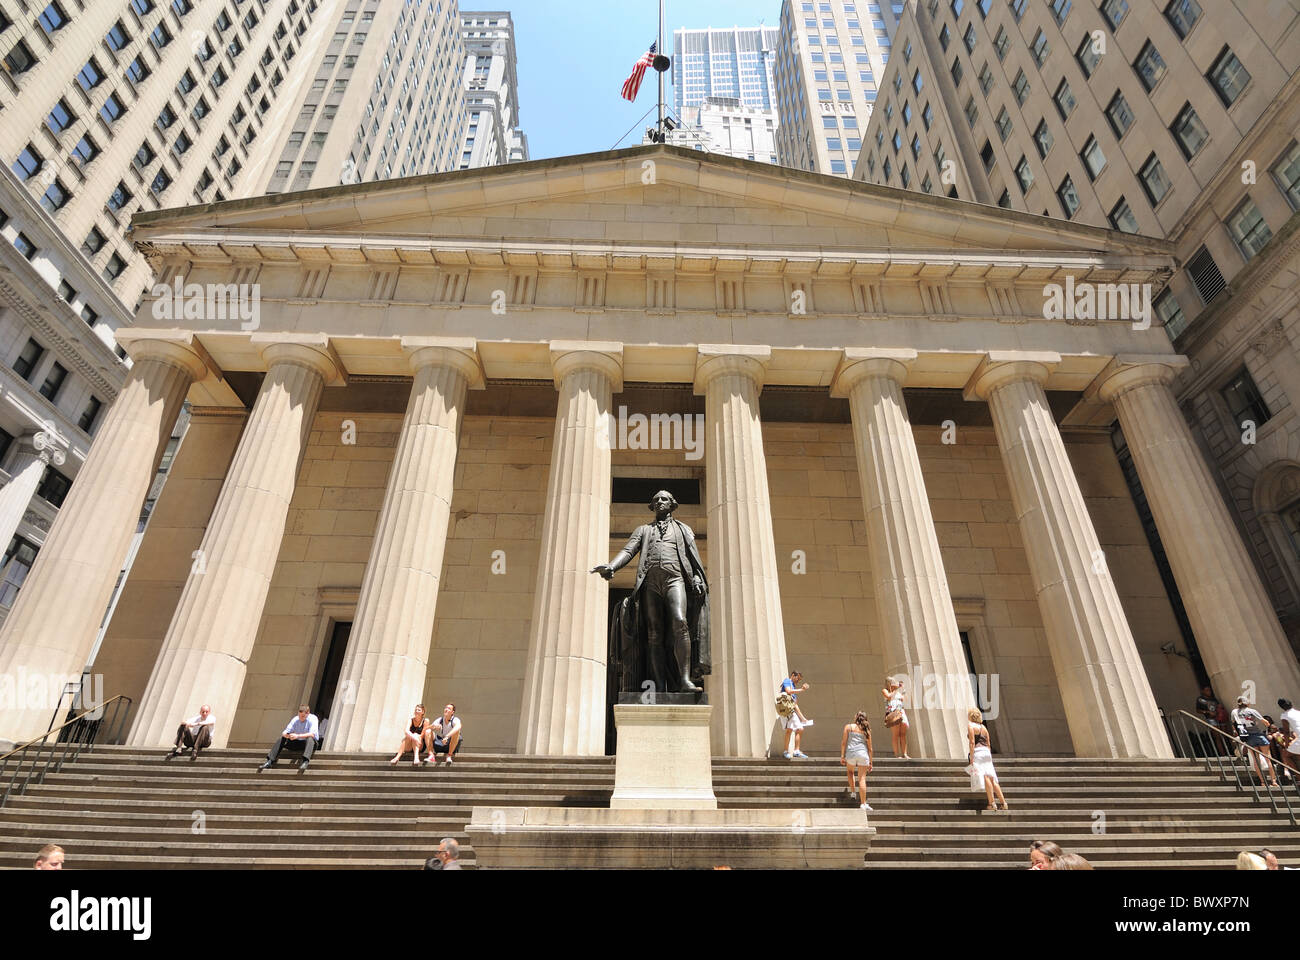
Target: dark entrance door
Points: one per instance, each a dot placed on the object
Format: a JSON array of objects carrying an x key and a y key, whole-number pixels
[
  {"x": 616, "y": 596},
  {"x": 323, "y": 700},
  {"x": 975, "y": 691}
]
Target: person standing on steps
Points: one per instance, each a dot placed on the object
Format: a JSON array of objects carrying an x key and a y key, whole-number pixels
[
  {"x": 792, "y": 686},
  {"x": 855, "y": 754},
  {"x": 1289, "y": 725},
  {"x": 896, "y": 715},
  {"x": 413, "y": 737},
  {"x": 1251, "y": 728},
  {"x": 981, "y": 760}
]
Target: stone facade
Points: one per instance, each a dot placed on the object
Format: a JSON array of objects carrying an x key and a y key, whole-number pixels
[{"x": 656, "y": 280}]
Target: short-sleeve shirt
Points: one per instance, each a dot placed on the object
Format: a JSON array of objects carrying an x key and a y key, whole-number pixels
[
  {"x": 443, "y": 730},
  {"x": 787, "y": 686},
  {"x": 196, "y": 722}
]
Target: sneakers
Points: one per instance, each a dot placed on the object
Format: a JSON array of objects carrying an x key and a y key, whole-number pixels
[
  {"x": 867, "y": 808},
  {"x": 800, "y": 755},
  {"x": 786, "y": 754}
]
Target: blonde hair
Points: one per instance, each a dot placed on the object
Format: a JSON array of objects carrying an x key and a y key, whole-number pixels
[
  {"x": 974, "y": 716},
  {"x": 47, "y": 851},
  {"x": 1070, "y": 861},
  {"x": 1250, "y": 861}
]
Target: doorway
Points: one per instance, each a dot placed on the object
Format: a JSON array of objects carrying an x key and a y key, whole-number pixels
[{"x": 322, "y": 701}]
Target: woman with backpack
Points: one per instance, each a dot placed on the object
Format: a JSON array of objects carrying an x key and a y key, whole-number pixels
[{"x": 1251, "y": 730}]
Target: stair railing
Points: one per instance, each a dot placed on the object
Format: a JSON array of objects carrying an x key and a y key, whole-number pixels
[
  {"x": 1238, "y": 761},
  {"x": 42, "y": 754}
]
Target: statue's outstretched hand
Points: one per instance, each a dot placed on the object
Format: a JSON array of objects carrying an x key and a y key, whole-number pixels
[{"x": 603, "y": 569}]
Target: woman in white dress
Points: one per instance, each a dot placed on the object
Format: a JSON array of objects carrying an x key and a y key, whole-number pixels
[
  {"x": 895, "y": 701},
  {"x": 983, "y": 776},
  {"x": 855, "y": 754}
]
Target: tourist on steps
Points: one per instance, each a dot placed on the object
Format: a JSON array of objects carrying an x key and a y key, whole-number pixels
[
  {"x": 855, "y": 754},
  {"x": 1288, "y": 724},
  {"x": 1251, "y": 729},
  {"x": 444, "y": 735},
  {"x": 896, "y": 715},
  {"x": 413, "y": 736},
  {"x": 1043, "y": 854},
  {"x": 981, "y": 760},
  {"x": 792, "y": 686},
  {"x": 195, "y": 734},
  {"x": 302, "y": 735},
  {"x": 49, "y": 857}
]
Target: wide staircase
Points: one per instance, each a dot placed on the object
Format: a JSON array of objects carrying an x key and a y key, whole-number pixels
[{"x": 120, "y": 807}]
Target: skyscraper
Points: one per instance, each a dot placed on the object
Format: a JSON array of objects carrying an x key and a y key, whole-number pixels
[
  {"x": 828, "y": 59},
  {"x": 735, "y": 63},
  {"x": 491, "y": 83}
]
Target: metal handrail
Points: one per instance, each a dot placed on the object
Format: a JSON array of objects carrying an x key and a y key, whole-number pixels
[
  {"x": 83, "y": 735},
  {"x": 1277, "y": 796}
]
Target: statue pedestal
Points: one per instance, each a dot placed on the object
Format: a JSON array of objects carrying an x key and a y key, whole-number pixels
[{"x": 663, "y": 760}]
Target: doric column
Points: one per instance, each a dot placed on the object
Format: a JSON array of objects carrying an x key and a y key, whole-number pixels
[
  {"x": 1108, "y": 702},
  {"x": 211, "y": 635},
  {"x": 912, "y": 598},
  {"x": 384, "y": 670},
  {"x": 748, "y": 633},
  {"x": 1237, "y": 632},
  {"x": 33, "y": 452},
  {"x": 51, "y": 629},
  {"x": 564, "y": 686}
]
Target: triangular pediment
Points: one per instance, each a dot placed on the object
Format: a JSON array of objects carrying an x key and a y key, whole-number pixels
[{"x": 650, "y": 196}]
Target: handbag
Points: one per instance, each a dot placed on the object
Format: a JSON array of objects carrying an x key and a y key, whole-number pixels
[{"x": 894, "y": 717}]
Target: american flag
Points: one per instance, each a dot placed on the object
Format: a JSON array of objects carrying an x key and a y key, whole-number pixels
[{"x": 632, "y": 84}]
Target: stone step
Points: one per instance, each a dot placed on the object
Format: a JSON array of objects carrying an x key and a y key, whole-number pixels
[{"x": 112, "y": 861}]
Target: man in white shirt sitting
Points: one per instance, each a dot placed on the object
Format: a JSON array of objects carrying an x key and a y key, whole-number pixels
[
  {"x": 302, "y": 735},
  {"x": 195, "y": 734},
  {"x": 444, "y": 735}
]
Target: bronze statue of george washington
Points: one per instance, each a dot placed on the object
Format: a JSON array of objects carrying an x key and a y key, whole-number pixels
[{"x": 661, "y": 632}]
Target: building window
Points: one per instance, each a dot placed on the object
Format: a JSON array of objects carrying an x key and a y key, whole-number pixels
[
  {"x": 53, "y": 382},
  {"x": 137, "y": 71},
  {"x": 1064, "y": 98},
  {"x": 1189, "y": 131},
  {"x": 1068, "y": 196},
  {"x": 986, "y": 156},
  {"x": 1182, "y": 16},
  {"x": 144, "y": 156},
  {"x": 1003, "y": 123},
  {"x": 1119, "y": 115},
  {"x": 916, "y": 147},
  {"x": 29, "y": 359},
  {"x": 1229, "y": 77},
  {"x": 1249, "y": 229},
  {"x": 90, "y": 76},
  {"x": 904, "y": 175},
  {"x": 972, "y": 112},
  {"x": 28, "y": 162},
  {"x": 969, "y": 38},
  {"x": 1018, "y": 8},
  {"x": 1043, "y": 138},
  {"x": 1150, "y": 66},
  {"x": 112, "y": 109},
  {"x": 93, "y": 243},
  {"x": 945, "y": 38},
  {"x": 1024, "y": 175},
  {"x": 18, "y": 560},
  {"x": 1039, "y": 48},
  {"x": 927, "y": 116},
  {"x": 66, "y": 292},
  {"x": 1169, "y": 313},
  {"x": 19, "y": 59},
  {"x": 60, "y": 118},
  {"x": 1244, "y": 401},
  {"x": 54, "y": 487},
  {"x": 119, "y": 198},
  {"x": 1121, "y": 217},
  {"x": 88, "y": 416},
  {"x": 161, "y": 182},
  {"x": 956, "y": 71},
  {"x": 56, "y": 197},
  {"x": 1286, "y": 173},
  {"x": 117, "y": 37},
  {"x": 1094, "y": 161},
  {"x": 89, "y": 315},
  {"x": 1087, "y": 55},
  {"x": 986, "y": 79},
  {"x": 1020, "y": 87},
  {"x": 1154, "y": 181},
  {"x": 1114, "y": 11},
  {"x": 1001, "y": 42},
  {"x": 1205, "y": 275},
  {"x": 24, "y": 245},
  {"x": 53, "y": 18},
  {"x": 927, "y": 185},
  {"x": 917, "y": 82},
  {"x": 1060, "y": 10},
  {"x": 113, "y": 268}
]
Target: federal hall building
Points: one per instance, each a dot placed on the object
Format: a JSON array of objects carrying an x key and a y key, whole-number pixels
[{"x": 400, "y": 473}]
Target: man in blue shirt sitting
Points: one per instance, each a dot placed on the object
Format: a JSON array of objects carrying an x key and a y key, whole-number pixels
[{"x": 302, "y": 735}]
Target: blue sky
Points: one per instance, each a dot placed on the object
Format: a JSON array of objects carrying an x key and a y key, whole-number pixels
[{"x": 569, "y": 82}]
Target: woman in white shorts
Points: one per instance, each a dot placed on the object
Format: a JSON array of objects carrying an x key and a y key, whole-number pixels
[
  {"x": 855, "y": 754},
  {"x": 794, "y": 724},
  {"x": 895, "y": 700}
]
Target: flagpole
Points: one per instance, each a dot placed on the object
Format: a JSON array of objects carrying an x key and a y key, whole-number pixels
[{"x": 660, "y": 50}]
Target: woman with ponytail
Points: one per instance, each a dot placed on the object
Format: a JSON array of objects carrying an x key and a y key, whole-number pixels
[{"x": 855, "y": 754}]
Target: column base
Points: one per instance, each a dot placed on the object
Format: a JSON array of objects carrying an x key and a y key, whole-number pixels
[
  {"x": 560, "y": 838},
  {"x": 663, "y": 760}
]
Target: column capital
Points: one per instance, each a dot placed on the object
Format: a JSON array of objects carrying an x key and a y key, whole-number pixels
[
  {"x": 717, "y": 359},
  {"x": 602, "y": 356},
  {"x": 459, "y": 353},
  {"x": 858, "y": 363},
  {"x": 179, "y": 348},
  {"x": 312, "y": 350},
  {"x": 45, "y": 445},
  {"x": 1123, "y": 373},
  {"x": 1000, "y": 367}
]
